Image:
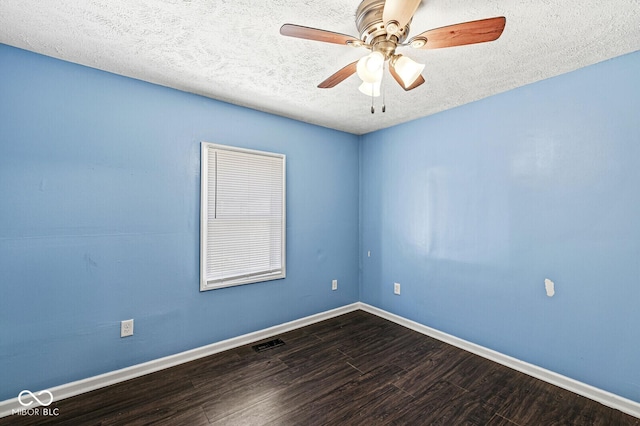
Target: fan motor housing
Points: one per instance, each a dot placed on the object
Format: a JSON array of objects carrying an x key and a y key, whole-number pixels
[{"x": 370, "y": 25}]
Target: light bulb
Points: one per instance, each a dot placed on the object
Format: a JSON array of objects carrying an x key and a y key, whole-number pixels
[
  {"x": 369, "y": 67},
  {"x": 370, "y": 89},
  {"x": 407, "y": 69}
]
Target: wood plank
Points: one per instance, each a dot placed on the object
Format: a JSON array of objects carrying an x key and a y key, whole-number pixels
[{"x": 353, "y": 369}]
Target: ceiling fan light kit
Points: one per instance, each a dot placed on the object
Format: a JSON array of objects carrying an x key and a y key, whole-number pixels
[
  {"x": 371, "y": 89},
  {"x": 407, "y": 69},
  {"x": 369, "y": 67},
  {"x": 384, "y": 26}
]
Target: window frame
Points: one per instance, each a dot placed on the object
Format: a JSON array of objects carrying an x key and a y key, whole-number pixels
[{"x": 206, "y": 284}]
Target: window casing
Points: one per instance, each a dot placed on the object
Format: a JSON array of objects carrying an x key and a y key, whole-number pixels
[{"x": 242, "y": 216}]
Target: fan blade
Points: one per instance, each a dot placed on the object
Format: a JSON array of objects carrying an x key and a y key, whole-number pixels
[
  {"x": 400, "y": 11},
  {"x": 339, "y": 76},
  {"x": 460, "y": 34},
  {"x": 416, "y": 83},
  {"x": 397, "y": 78},
  {"x": 308, "y": 33}
]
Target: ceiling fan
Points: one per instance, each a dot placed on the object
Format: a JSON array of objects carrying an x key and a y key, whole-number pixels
[{"x": 383, "y": 26}]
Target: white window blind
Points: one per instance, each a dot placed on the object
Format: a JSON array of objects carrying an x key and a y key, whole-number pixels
[{"x": 242, "y": 216}]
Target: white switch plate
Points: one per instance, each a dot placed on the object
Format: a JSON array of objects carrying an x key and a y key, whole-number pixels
[
  {"x": 334, "y": 285},
  {"x": 126, "y": 328},
  {"x": 396, "y": 288}
]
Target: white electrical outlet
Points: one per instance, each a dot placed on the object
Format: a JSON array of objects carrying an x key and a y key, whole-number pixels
[
  {"x": 126, "y": 328},
  {"x": 396, "y": 288},
  {"x": 334, "y": 285}
]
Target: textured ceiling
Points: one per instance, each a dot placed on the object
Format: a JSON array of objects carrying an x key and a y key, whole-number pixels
[{"x": 231, "y": 50}]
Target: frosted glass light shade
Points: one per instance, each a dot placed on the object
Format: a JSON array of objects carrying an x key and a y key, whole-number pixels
[
  {"x": 408, "y": 70},
  {"x": 370, "y": 67},
  {"x": 370, "y": 89}
]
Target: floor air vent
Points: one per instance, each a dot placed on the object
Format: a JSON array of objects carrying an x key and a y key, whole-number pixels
[{"x": 260, "y": 347}]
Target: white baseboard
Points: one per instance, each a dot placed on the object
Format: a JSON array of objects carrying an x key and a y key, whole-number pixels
[
  {"x": 92, "y": 383},
  {"x": 68, "y": 390},
  {"x": 605, "y": 398}
]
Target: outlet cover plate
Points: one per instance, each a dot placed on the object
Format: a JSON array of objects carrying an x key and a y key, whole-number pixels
[
  {"x": 396, "y": 288},
  {"x": 126, "y": 328}
]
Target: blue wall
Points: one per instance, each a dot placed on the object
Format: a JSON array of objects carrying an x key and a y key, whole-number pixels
[
  {"x": 99, "y": 221},
  {"x": 471, "y": 209}
]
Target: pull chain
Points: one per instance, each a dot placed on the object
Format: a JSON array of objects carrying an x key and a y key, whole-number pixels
[
  {"x": 384, "y": 107},
  {"x": 372, "y": 108}
]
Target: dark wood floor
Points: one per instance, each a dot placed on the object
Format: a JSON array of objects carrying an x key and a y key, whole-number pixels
[{"x": 356, "y": 369}]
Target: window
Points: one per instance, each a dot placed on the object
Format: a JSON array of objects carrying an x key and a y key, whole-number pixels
[{"x": 242, "y": 216}]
